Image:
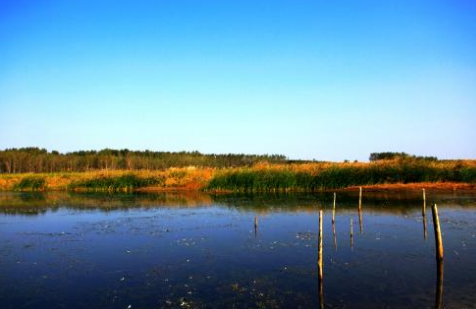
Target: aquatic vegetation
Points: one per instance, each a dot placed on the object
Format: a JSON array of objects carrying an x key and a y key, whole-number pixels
[
  {"x": 321, "y": 176},
  {"x": 126, "y": 182}
]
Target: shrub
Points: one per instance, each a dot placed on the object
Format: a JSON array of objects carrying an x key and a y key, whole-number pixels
[{"x": 32, "y": 183}]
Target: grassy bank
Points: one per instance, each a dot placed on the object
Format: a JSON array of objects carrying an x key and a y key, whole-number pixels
[
  {"x": 325, "y": 176},
  {"x": 109, "y": 181},
  {"x": 261, "y": 177}
]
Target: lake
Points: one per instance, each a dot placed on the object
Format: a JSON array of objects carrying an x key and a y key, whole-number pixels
[{"x": 192, "y": 250}]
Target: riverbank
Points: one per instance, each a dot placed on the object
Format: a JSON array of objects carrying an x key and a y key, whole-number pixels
[
  {"x": 262, "y": 177},
  {"x": 189, "y": 178}
]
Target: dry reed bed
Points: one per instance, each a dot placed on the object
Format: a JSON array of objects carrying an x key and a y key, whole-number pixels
[{"x": 259, "y": 177}]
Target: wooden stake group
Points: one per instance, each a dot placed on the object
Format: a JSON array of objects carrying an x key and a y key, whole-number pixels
[{"x": 438, "y": 244}]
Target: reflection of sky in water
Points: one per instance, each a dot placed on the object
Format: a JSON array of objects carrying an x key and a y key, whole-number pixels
[{"x": 193, "y": 250}]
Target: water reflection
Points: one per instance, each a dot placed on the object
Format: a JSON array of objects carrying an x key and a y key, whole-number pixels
[
  {"x": 425, "y": 233},
  {"x": 439, "y": 283},
  {"x": 334, "y": 234},
  {"x": 423, "y": 212},
  {"x": 172, "y": 250},
  {"x": 38, "y": 203},
  {"x": 320, "y": 284},
  {"x": 351, "y": 233}
]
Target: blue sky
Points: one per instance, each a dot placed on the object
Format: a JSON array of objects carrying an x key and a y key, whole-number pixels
[{"x": 326, "y": 80}]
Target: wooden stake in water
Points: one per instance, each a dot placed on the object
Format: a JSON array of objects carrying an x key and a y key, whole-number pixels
[
  {"x": 319, "y": 257},
  {"x": 439, "y": 256},
  {"x": 360, "y": 197},
  {"x": 423, "y": 212},
  {"x": 437, "y": 229},
  {"x": 256, "y": 225},
  {"x": 360, "y": 211},
  {"x": 334, "y": 210},
  {"x": 320, "y": 262}
]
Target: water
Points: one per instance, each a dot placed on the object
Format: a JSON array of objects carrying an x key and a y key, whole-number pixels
[{"x": 60, "y": 250}]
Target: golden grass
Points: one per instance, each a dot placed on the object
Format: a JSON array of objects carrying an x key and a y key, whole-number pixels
[{"x": 197, "y": 178}]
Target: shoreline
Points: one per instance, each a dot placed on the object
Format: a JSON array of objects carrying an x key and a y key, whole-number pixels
[
  {"x": 437, "y": 186},
  {"x": 390, "y": 187},
  {"x": 269, "y": 178}
]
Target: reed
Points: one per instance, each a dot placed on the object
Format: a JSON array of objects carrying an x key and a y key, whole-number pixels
[
  {"x": 127, "y": 182},
  {"x": 326, "y": 176},
  {"x": 261, "y": 177},
  {"x": 31, "y": 183}
]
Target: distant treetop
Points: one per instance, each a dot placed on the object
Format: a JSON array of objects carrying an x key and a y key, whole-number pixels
[
  {"x": 36, "y": 160},
  {"x": 376, "y": 156}
]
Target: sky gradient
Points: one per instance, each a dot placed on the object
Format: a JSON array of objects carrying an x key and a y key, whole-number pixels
[{"x": 325, "y": 80}]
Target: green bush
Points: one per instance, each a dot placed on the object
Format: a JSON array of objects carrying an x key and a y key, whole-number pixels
[
  {"x": 121, "y": 183},
  {"x": 33, "y": 183}
]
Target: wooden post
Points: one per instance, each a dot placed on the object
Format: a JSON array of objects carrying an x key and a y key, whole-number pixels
[
  {"x": 334, "y": 210},
  {"x": 437, "y": 229},
  {"x": 334, "y": 221},
  {"x": 320, "y": 262},
  {"x": 423, "y": 213},
  {"x": 256, "y": 225},
  {"x": 360, "y": 197},
  {"x": 360, "y": 210},
  {"x": 319, "y": 257}
]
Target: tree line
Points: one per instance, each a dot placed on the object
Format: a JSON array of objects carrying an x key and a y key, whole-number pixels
[
  {"x": 36, "y": 160},
  {"x": 376, "y": 156}
]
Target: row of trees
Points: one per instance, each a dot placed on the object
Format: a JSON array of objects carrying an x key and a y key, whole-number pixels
[
  {"x": 36, "y": 160},
  {"x": 376, "y": 156}
]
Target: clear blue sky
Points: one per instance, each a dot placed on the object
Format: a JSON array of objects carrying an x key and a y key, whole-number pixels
[{"x": 329, "y": 80}]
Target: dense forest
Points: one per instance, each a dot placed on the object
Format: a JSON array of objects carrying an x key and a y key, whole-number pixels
[{"x": 36, "y": 160}]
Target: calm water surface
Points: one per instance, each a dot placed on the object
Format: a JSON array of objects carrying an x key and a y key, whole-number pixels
[{"x": 60, "y": 250}]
